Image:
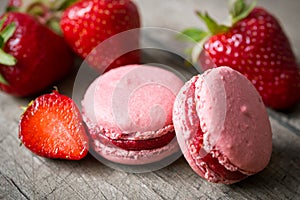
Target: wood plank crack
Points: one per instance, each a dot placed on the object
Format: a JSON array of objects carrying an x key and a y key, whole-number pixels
[{"x": 14, "y": 184}]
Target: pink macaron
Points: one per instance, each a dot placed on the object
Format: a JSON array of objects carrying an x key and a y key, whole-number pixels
[
  {"x": 222, "y": 126},
  {"x": 128, "y": 112}
]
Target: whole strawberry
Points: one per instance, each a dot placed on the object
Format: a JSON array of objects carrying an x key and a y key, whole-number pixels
[
  {"x": 87, "y": 23},
  {"x": 52, "y": 127},
  {"x": 255, "y": 45},
  {"x": 32, "y": 56}
]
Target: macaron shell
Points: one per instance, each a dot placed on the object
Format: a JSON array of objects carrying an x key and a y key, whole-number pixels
[
  {"x": 222, "y": 140},
  {"x": 117, "y": 99},
  {"x": 240, "y": 133},
  {"x": 187, "y": 125},
  {"x": 142, "y": 157}
]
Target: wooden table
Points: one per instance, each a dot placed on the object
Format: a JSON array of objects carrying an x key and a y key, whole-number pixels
[{"x": 24, "y": 175}]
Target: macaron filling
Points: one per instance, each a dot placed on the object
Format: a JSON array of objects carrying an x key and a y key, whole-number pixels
[
  {"x": 132, "y": 141},
  {"x": 136, "y": 145},
  {"x": 211, "y": 167}
]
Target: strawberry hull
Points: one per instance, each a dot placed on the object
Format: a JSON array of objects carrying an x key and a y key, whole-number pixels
[{"x": 43, "y": 57}]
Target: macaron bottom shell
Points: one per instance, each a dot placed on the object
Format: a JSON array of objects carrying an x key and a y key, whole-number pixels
[
  {"x": 129, "y": 151},
  {"x": 131, "y": 157}
]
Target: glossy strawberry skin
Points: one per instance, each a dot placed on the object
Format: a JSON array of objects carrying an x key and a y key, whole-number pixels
[
  {"x": 43, "y": 57},
  {"x": 87, "y": 23},
  {"x": 52, "y": 127},
  {"x": 257, "y": 47}
]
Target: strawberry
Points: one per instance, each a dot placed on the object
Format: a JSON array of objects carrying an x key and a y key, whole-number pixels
[
  {"x": 46, "y": 12},
  {"x": 255, "y": 45},
  {"x": 32, "y": 56},
  {"x": 13, "y": 4},
  {"x": 87, "y": 23},
  {"x": 52, "y": 127}
]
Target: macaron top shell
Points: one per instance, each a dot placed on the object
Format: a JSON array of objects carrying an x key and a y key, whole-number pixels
[
  {"x": 234, "y": 120},
  {"x": 132, "y": 100},
  {"x": 224, "y": 106}
]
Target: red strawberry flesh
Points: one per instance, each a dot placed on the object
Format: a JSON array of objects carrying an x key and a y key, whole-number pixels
[{"x": 52, "y": 127}]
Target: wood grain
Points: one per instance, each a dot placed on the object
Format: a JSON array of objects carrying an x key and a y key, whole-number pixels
[{"x": 24, "y": 175}]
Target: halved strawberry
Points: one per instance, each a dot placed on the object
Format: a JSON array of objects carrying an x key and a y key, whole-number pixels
[{"x": 52, "y": 127}]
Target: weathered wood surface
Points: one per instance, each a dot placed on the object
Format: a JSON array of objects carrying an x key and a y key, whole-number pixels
[{"x": 26, "y": 176}]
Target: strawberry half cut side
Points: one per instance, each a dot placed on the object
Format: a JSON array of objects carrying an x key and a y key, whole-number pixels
[{"x": 52, "y": 127}]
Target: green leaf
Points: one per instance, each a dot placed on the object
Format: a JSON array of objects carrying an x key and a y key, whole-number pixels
[
  {"x": 2, "y": 80},
  {"x": 212, "y": 25},
  {"x": 1, "y": 41},
  {"x": 192, "y": 34},
  {"x": 8, "y": 31},
  {"x": 236, "y": 7},
  {"x": 67, "y": 3},
  {"x": 54, "y": 25},
  {"x": 198, "y": 48},
  {"x": 240, "y": 10},
  {"x": 2, "y": 21},
  {"x": 37, "y": 9},
  {"x": 5, "y": 34},
  {"x": 7, "y": 59},
  {"x": 11, "y": 8}
]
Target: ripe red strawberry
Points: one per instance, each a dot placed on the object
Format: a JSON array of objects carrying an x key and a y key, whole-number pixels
[
  {"x": 35, "y": 57},
  {"x": 87, "y": 23},
  {"x": 256, "y": 46},
  {"x": 52, "y": 127}
]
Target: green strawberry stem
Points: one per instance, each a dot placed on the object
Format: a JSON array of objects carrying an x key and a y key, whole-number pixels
[
  {"x": 5, "y": 34},
  {"x": 213, "y": 27},
  {"x": 192, "y": 34},
  {"x": 7, "y": 59},
  {"x": 54, "y": 5},
  {"x": 238, "y": 11},
  {"x": 45, "y": 15},
  {"x": 47, "y": 12},
  {"x": 2, "y": 80}
]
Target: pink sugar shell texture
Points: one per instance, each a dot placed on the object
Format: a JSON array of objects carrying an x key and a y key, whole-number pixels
[
  {"x": 234, "y": 122},
  {"x": 133, "y": 102}
]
